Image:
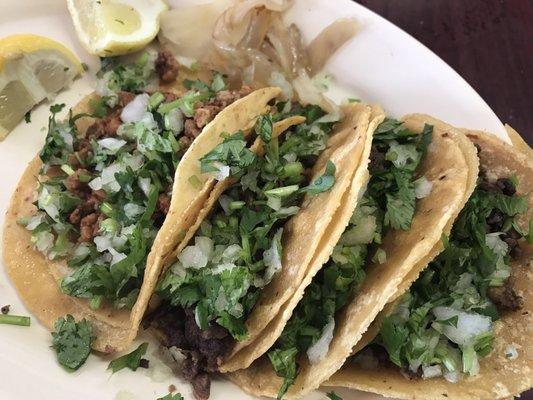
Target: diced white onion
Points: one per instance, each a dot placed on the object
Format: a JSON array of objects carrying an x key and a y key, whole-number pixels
[
  {"x": 431, "y": 371},
  {"x": 222, "y": 267},
  {"x": 35, "y": 221},
  {"x": 205, "y": 245},
  {"x": 223, "y": 171},
  {"x": 231, "y": 253},
  {"x": 144, "y": 184},
  {"x": 112, "y": 144},
  {"x": 221, "y": 303},
  {"x": 174, "y": 120},
  {"x": 116, "y": 256},
  {"x": 102, "y": 243},
  {"x": 135, "y": 109},
  {"x": 43, "y": 241},
  {"x": 422, "y": 187},
  {"x": 451, "y": 376},
  {"x": 272, "y": 260},
  {"x": 96, "y": 183},
  {"x": 318, "y": 351},
  {"x": 132, "y": 210},
  {"x": 109, "y": 182},
  {"x": 193, "y": 257},
  {"x": 469, "y": 325}
]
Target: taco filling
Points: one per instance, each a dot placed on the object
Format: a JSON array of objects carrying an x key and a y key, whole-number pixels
[
  {"x": 388, "y": 203},
  {"x": 443, "y": 325},
  {"x": 102, "y": 196},
  {"x": 215, "y": 281}
]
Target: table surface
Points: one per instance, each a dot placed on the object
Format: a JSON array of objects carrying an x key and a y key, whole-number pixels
[{"x": 485, "y": 41}]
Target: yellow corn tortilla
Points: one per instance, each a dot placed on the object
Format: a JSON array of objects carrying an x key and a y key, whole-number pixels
[
  {"x": 36, "y": 278},
  {"x": 359, "y": 176},
  {"x": 452, "y": 166},
  {"x": 296, "y": 256},
  {"x": 499, "y": 377}
]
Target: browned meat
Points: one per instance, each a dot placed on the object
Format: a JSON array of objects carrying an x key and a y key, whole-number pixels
[
  {"x": 96, "y": 130},
  {"x": 75, "y": 216},
  {"x": 166, "y": 66},
  {"x": 169, "y": 96},
  {"x": 184, "y": 142},
  {"x": 204, "y": 350},
  {"x": 89, "y": 227},
  {"x": 201, "y": 385},
  {"x": 75, "y": 185},
  {"x": 125, "y": 98},
  {"x": 203, "y": 115},
  {"x": 111, "y": 124},
  {"x": 190, "y": 128},
  {"x": 225, "y": 97},
  {"x": 505, "y": 297},
  {"x": 378, "y": 162},
  {"x": 94, "y": 200},
  {"x": 163, "y": 203}
]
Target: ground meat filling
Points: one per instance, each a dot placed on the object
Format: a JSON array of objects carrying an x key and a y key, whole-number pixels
[
  {"x": 166, "y": 66},
  {"x": 86, "y": 217},
  {"x": 203, "y": 349},
  {"x": 205, "y": 112}
]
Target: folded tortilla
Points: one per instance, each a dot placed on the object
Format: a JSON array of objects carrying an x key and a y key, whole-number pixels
[
  {"x": 451, "y": 165},
  {"x": 499, "y": 377},
  {"x": 36, "y": 278}
]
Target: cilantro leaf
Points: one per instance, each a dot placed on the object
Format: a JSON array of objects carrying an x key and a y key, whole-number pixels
[
  {"x": 131, "y": 360},
  {"x": 263, "y": 128},
  {"x": 231, "y": 152},
  {"x": 394, "y": 337},
  {"x": 284, "y": 363},
  {"x": 324, "y": 182},
  {"x": 72, "y": 341}
]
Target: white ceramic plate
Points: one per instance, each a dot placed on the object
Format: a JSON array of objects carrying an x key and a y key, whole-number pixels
[{"x": 382, "y": 64}]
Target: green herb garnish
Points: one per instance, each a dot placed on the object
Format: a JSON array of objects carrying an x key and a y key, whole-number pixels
[
  {"x": 131, "y": 360},
  {"x": 72, "y": 342}
]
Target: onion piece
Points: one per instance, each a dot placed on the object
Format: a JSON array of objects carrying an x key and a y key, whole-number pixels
[
  {"x": 329, "y": 41},
  {"x": 320, "y": 349},
  {"x": 134, "y": 111}
]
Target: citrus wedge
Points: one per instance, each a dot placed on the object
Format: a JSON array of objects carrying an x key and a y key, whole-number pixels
[
  {"x": 32, "y": 68},
  {"x": 110, "y": 28}
]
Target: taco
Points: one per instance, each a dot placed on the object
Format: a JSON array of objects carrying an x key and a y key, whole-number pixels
[
  {"x": 250, "y": 247},
  {"x": 82, "y": 220},
  {"x": 420, "y": 177},
  {"x": 460, "y": 326}
]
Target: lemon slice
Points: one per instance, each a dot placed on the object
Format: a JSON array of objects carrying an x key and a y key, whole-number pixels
[
  {"x": 32, "y": 68},
  {"x": 110, "y": 28}
]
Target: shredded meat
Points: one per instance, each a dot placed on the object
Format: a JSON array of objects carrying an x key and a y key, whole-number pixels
[
  {"x": 505, "y": 297},
  {"x": 166, "y": 66},
  {"x": 204, "y": 349}
]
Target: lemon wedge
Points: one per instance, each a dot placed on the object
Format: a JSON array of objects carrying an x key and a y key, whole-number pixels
[
  {"x": 32, "y": 68},
  {"x": 110, "y": 28}
]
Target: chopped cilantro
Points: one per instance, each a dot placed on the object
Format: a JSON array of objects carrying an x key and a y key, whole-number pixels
[
  {"x": 131, "y": 360},
  {"x": 72, "y": 341},
  {"x": 457, "y": 281},
  {"x": 238, "y": 249},
  {"x": 324, "y": 182},
  {"x": 388, "y": 202}
]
